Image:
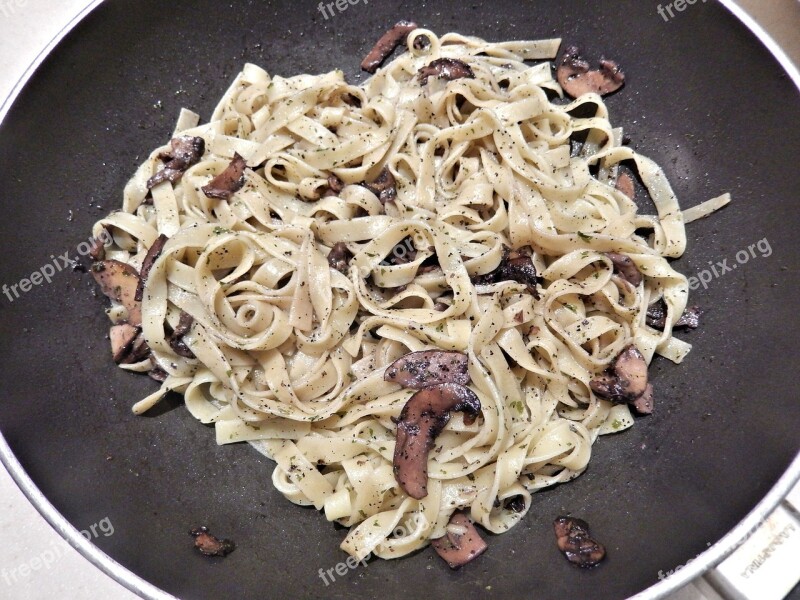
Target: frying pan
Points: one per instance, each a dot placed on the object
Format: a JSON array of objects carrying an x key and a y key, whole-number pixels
[{"x": 703, "y": 98}]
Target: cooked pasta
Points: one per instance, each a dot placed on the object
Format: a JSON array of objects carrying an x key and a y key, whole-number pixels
[{"x": 288, "y": 353}]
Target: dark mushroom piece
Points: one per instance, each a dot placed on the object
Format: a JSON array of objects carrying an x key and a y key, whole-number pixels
[
  {"x": 185, "y": 322},
  {"x": 445, "y": 68},
  {"x": 516, "y": 265},
  {"x": 423, "y": 418},
  {"x": 457, "y": 549},
  {"x": 227, "y": 183},
  {"x": 157, "y": 373},
  {"x": 335, "y": 184},
  {"x": 384, "y": 186},
  {"x": 576, "y": 77},
  {"x": 122, "y": 337},
  {"x": 627, "y": 269},
  {"x": 139, "y": 351},
  {"x": 657, "y": 316},
  {"x": 208, "y": 545},
  {"x": 418, "y": 370},
  {"x": 573, "y": 540},
  {"x": 185, "y": 151},
  {"x": 339, "y": 257},
  {"x": 386, "y": 45},
  {"x": 149, "y": 260},
  {"x": 119, "y": 282},
  {"x": 626, "y": 381},
  {"x": 97, "y": 250}
]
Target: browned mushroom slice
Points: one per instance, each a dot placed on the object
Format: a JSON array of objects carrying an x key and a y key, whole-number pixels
[
  {"x": 384, "y": 186},
  {"x": 339, "y": 257},
  {"x": 97, "y": 250},
  {"x": 149, "y": 260},
  {"x": 576, "y": 77},
  {"x": 335, "y": 184},
  {"x": 119, "y": 282},
  {"x": 185, "y": 151},
  {"x": 227, "y": 183},
  {"x": 386, "y": 45},
  {"x": 627, "y": 269},
  {"x": 208, "y": 545},
  {"x": 644, "y": 403},
  {"x": 626, "y": 380},
  {"x": 516, "y": 265},
  {"x": 445, "y": 68},
  {"x": 122, "y": 337},
  {"x": 185, "y": 322},
  {"x": 457, "y": 549},
  {"x": 417, "y": 370},
  {"x": 573, "y": 540},
  {"x": 625, "y": 185},
  {"x": 139, "y": 351},
  {"x": 422, "y": 419},
  {"x": 657, "y": 316}
]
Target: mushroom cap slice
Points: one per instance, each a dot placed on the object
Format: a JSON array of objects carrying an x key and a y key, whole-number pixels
[
  {"x": 459, "y": 548},
  {"x": 122, "y": 337},
  {"x": 624, "y": 265},
  {"x": 446, "y": 68},
  {"x": 573, "y": 540},
  {"x": 576, "y": 77},
  {"x": 627, "y": 379},
  {"x": 422, "y": 419},
  {"x": 421, "y": 369},
  {"x": 386, "y": 45},
  {"x": 230, "y": 181},
  {"x": 119, "y": 282}
]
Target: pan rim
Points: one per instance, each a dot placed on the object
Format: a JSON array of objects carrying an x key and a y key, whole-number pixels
[{"x": 705, "y": 562}]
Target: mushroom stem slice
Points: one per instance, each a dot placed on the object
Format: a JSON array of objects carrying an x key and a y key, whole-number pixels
[
  {"x": 423, "y": 417},
  {"x": 459, "y": 548},
  {"x": 386, "y": 45},
  {"x": 119, "y": 281},
  {"x": 421, "y": 369},
  {"x": 445, "y": 68},
  {"x": 149, "y": 260}
]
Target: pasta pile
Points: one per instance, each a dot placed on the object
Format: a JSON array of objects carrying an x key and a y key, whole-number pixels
[{"x": 289, "y": 353}]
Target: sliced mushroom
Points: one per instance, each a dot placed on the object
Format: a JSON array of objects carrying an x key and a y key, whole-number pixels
[
  {"x": 627, "y": 269},
  {"x": 573, "y": 540},
  {"x": 516, "y": 265},
  {"x": 418, "y": 370},
  {"x": 185, "y": 151},
  {"x": 208, "y": 545},
  {"x": 149, "y": 260},
  {"x": 461, "y": 544},
  {"x": 422, "y": 419},
  {"x": 386, "y": 45},
  {"x": 185, "y": 322},
  {"x": 445, "y": 68},
  {"x": 139, "y": 351},
  {"x": 119, "y": 282},
  {"x": 335, "y": 184},
  {"x": 626, "y": 380},
  {"x": 339, "y": 257},
  {"x": 97, "y": 250},
  {"x": 644, "y": 403},
  {"x": 230, "y": 181},
  {"x": 576, "y": 77},
  {"x": 625, "y": 185},
  {"x": 657, "y": 316},
  {"x": 158, "y": 374},
  {"x": 122, "y": 337},
  {"x": 384, "y": 186}
]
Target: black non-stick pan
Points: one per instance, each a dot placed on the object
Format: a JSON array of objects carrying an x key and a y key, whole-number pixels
[{"x": 703, "y": 98}]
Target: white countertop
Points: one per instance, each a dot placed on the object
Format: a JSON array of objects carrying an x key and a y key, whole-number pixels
[{"x": 36, "y": 563}]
